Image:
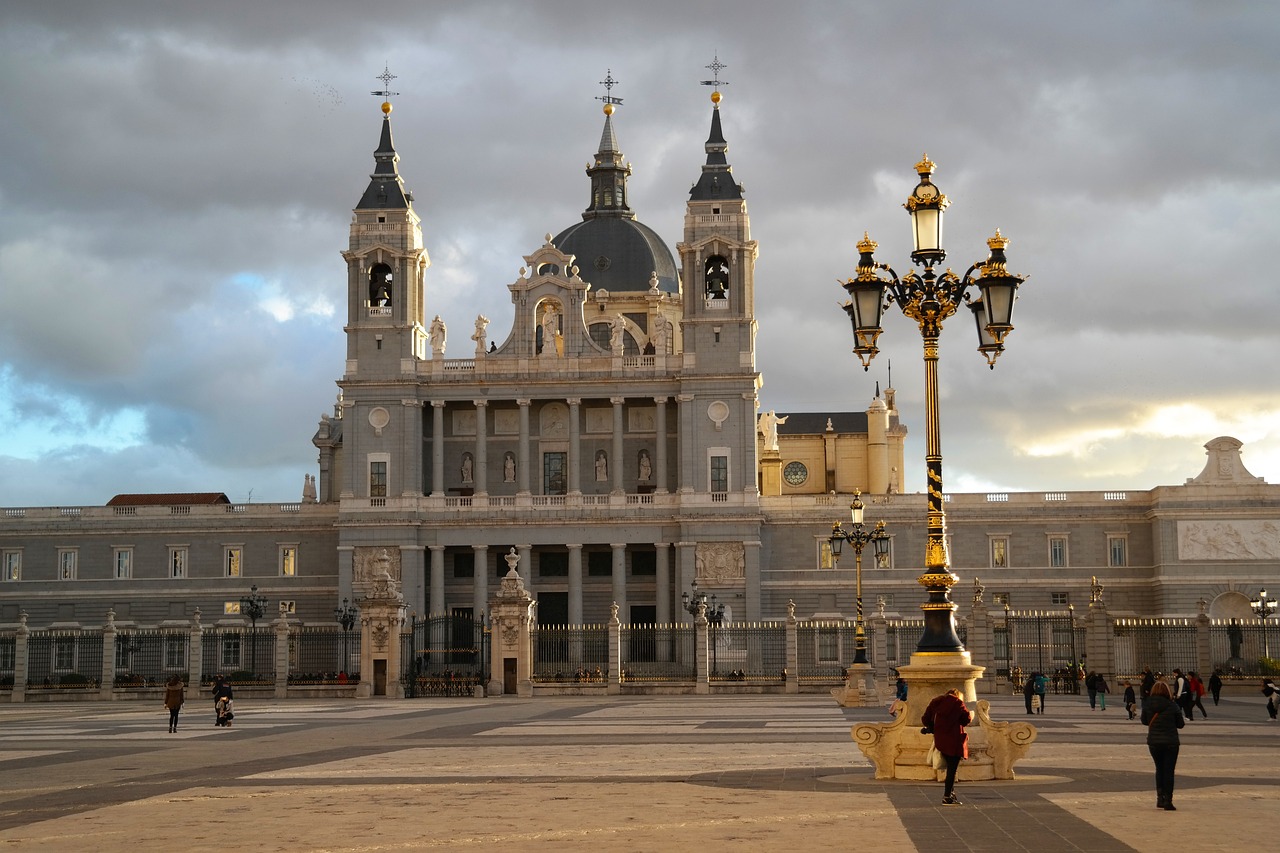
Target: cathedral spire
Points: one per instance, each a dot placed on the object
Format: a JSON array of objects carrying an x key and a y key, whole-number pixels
[
  {"x": 716, "y": 182},
  {"x": 608, "y": 172},
  {"x": 386, "y": 189}
]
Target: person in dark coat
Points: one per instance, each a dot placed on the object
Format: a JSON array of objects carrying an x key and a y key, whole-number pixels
[
  {"x": 221, "y": 702},
  {"x": 1029, "y": 690},
  {"x": 1162, "y": 717},
  {"x": 1148, "y": 681},
  {"x": 1273, "y": 696},
  {"x": 946, "y": 717},
  {"x": 1215, "y": 685},
  {"x": 174, "y": 694},
  {"x": 1130, "y": 701}
]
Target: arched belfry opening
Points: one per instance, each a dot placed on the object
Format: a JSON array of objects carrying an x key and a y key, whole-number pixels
[
  {"x": 715, "y": 276},
  {"x": 380, "y": 290}
]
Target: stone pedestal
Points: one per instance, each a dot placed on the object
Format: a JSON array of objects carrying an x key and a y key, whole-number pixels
[
  {"x": 897, "y": 749},
  {"x": 859, "y": 690},
  {"x": 511, "y": 617},
  {"x": 770, "y": 473},
  {"x": 381, "y": 618}
]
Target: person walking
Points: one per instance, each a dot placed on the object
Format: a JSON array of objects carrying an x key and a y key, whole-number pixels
[
  {"x": 1181, "y": 691},
  {"x": 1091, "y": 685},
  {"x": 174, "y": 694},
  {"x": 1130, "y": 700},
  {"x": 1100, "y": 684},
  {"x": 1162, "y": 717},
  {"x": 1215, "y": 685},
  {"x": 945, "y": 717},
  {"x": 1148, "y": 681},
  {"x": 221, "y": 701},
  {"x": 1273, "y": 697},
  {"x": 1042, "y": 687},
  {"x": 1029, "y": 690},
  {"x": 899, "y": 697},
  {"x": 1196, "y": 687}
]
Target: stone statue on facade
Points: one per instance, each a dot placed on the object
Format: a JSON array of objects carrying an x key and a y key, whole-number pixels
[
  {"x": 437, "y": 335},
  {"x": 768, "y": 427},
  {"x": 617, "y": 329},
  {"x": 481, "y": 333}
]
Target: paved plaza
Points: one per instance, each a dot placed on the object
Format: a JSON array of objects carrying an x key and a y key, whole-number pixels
[{"x": 634, "y": 773}]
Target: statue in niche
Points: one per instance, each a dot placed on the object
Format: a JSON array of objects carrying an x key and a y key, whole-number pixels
[
  {"x": 768, "y": 427},
  {"x": 437, "y": 335},
  {"x": 659, "y": 336},
  {"x": 645, "y": 466},
  {"x": 550, "y": 329},
  {"x": 481, "y": 333},
  {"x": 617, "y": 328},
  {"x": 602, "y": 467},
  {"x": 467, "y": 467},
  {"x": 509, "y": 467}
]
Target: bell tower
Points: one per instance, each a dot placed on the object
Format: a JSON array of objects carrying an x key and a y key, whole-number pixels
[{"x": 385, "y": 267}]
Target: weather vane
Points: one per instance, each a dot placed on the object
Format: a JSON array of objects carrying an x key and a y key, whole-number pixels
[
  {"x": 608, "y": 82},
  {"x": 715, "y": 68},
  {"x": 386, "y": 77}
]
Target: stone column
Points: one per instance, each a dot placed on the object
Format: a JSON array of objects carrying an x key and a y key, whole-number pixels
[
  {"x": 620, "y": 578},
  {"x": 108, "y": 681},
  {"x": 526, "y": 565},
  {"x": 195, "y": 653},
  {"x": 686, "y": 476},
  {"x": 1100, "y": 642},
  {"x": 480, "y": 581},
  {"x": 701, "y": 653},
  {"x": 662, "y": 582},
  {"x": 523, "y": 461},
  {"x": 1204, "y": 658},
  {"x": 575, "y": 584},
  {"x": 793, "y": 650},
  {"x": 437, "y": 448},
  {"x": 435, "y": 602},
  {"x": 617, "y": 451},
  {"x": 575, "y": 442},
  {"x": 482, "y": 448},
  {"x": 614, "y": 678},
  {"x": 660, "y": 445},
  {"x": 411, "y": 449},
  {"x": 281, "y": 626},
  {"x": 21, "y": 659}
]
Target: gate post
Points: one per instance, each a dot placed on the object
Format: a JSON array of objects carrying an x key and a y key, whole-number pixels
[
  {"x": 701, "y": 652},
  {"x": 613, "y": 679},
  {"x": 793, "y": 650},
  {"x": 282, "y": 657},
  {"x": 980, "y": 642},
  {"x": 1204, "y": 657},
  {"x": 195, "y": 652},
  {"x": 108, "y": 681},
  {"x": 511, "y": 614},
  {"x": 21, "y": 659}
]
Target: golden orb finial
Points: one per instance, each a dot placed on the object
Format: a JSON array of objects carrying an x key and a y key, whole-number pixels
[
  {"x": 715, "y": 98},
  {"x": 386, "y": 108},
  {"x": 866, "y": 244},
  {"x": 608, "y": 109}
]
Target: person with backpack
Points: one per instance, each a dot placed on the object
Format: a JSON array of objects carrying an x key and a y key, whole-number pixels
[
  {"x": 1100, "y": 684},
  {"x": 1162, "y": 717},
  {"x": 1042, "y": 687}
]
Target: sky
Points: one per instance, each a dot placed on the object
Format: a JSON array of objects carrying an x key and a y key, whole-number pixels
[{"x": 177, "y": 178}]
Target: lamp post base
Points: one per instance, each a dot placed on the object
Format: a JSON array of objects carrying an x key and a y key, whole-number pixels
[
  {"x": 897, "y": 750},
  {"x": 859, "y": 690}
]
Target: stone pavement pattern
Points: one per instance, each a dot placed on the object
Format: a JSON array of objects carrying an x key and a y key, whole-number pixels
[{"x": 636, "y": 773}]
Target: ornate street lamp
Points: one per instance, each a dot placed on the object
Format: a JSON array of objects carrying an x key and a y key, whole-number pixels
[
  {"x": 859, "y": 537},
  {"x": 253, "y": 605},
  {"x": 714, "y": 612},
  {"x": 1264, "y": 607},
  {"x": 346, "y": 614},
  {"x": 929, "y": 298}
]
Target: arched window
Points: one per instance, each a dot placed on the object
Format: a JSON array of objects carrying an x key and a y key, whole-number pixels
[
  {"x": 379, "y": 286},
  {"x": 716, "y": 277}
]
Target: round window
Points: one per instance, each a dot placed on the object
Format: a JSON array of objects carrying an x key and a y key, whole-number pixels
[{"x": 795, "y": 473}]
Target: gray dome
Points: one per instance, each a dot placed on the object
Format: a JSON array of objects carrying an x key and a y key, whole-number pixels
[{"x": 617, "y": 254}]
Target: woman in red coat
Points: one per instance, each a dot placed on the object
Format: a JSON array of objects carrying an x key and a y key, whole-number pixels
[{"x": 946, "y": 717}]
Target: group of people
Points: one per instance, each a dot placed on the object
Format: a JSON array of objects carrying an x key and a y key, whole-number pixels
[{"x": 175, "y": 694}]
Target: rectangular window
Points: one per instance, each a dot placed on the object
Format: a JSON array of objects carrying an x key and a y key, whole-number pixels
[
  {"x": 231, "y": 561},
  {"x": 1000, "y": 598},
  {"x": 828, "y": 643},
  {"x": 175, "y": 652},
  {"x": 464, "y": 565},
  {"x": 1057, "y": 552},
  {"x": 64, "y": 654},
  {"x": 177, "y": 562},
  {"x": 884, "y": 600},
  {"x": 230, "y": 608},
  {"x": 377, "y": 479},
  {"x": 67, "y": 564},
  {"x": 554, "y": 473},
  {"x": 123, "y": 560},
  {"x": 719, "y": 473},
  {"x": 230, "y": 650},
  {"x": 644, "y": 563},
  {"x": 825, "y": 559},
  {"x": 599, "y": 564},
  {"x": 1059, "y": 599},
  {"x": 12, "y": 565},
  {"x": 1117, "y": 551},
  {"x": 288, "y": 561},
  {"x": 999, "y": 552},
  {"x": 553, "y": 564}
]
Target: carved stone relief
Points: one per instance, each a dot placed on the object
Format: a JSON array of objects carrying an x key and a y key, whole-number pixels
[
  {"x": 369, "y": 562},
  {"x": 1228, "y": 540},
  {"x": 720, "y": 561}
]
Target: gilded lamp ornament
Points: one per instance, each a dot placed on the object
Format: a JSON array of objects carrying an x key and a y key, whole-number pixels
[{"x": 930, "y": 298}]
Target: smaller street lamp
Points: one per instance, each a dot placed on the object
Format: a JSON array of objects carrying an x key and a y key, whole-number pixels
[
  {"x": 253, "y": 605},
  {"x": 859, "y": 537},
  {"x": 714, "y": 613},
  {"x": 1263, "y": 606},
  {"x": 346, "y": 614}
]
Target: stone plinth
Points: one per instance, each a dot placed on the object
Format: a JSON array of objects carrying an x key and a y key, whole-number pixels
[
  {"x": 381, "y": 619},
  {"x": 859, "y": 690},
  {"x": 511, "y": 655},
  {"x": 898, "y": 749}
]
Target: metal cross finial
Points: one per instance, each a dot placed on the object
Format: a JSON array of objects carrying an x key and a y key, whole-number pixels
[
  {"x": 715, "y": 68},
  {"x": 608, "y": 82},
  {"x": 386, "y": 77}
]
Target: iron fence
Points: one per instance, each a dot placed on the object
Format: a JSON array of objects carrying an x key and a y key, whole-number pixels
[
  {"x": 1043, "y": 641},
  {"x": 825, "y": 650},
  {"x": 8, "y": 660},
  {"x": 324, "y": 654},
  {"x": 243, "y": 656},
  {"x": 1244, "y": 649},
  {"x": 64, "y": 659},
  {"x": 445, "y": 655},
  {"x": 1161, "y": 644},
  {"x": 660, "y": 652},
  {"x": 901, "y": 637},
  {"x": 148, "y": 657},
  {"x": 748, "y": 651},
  {"x": 570, "y": 653}
]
